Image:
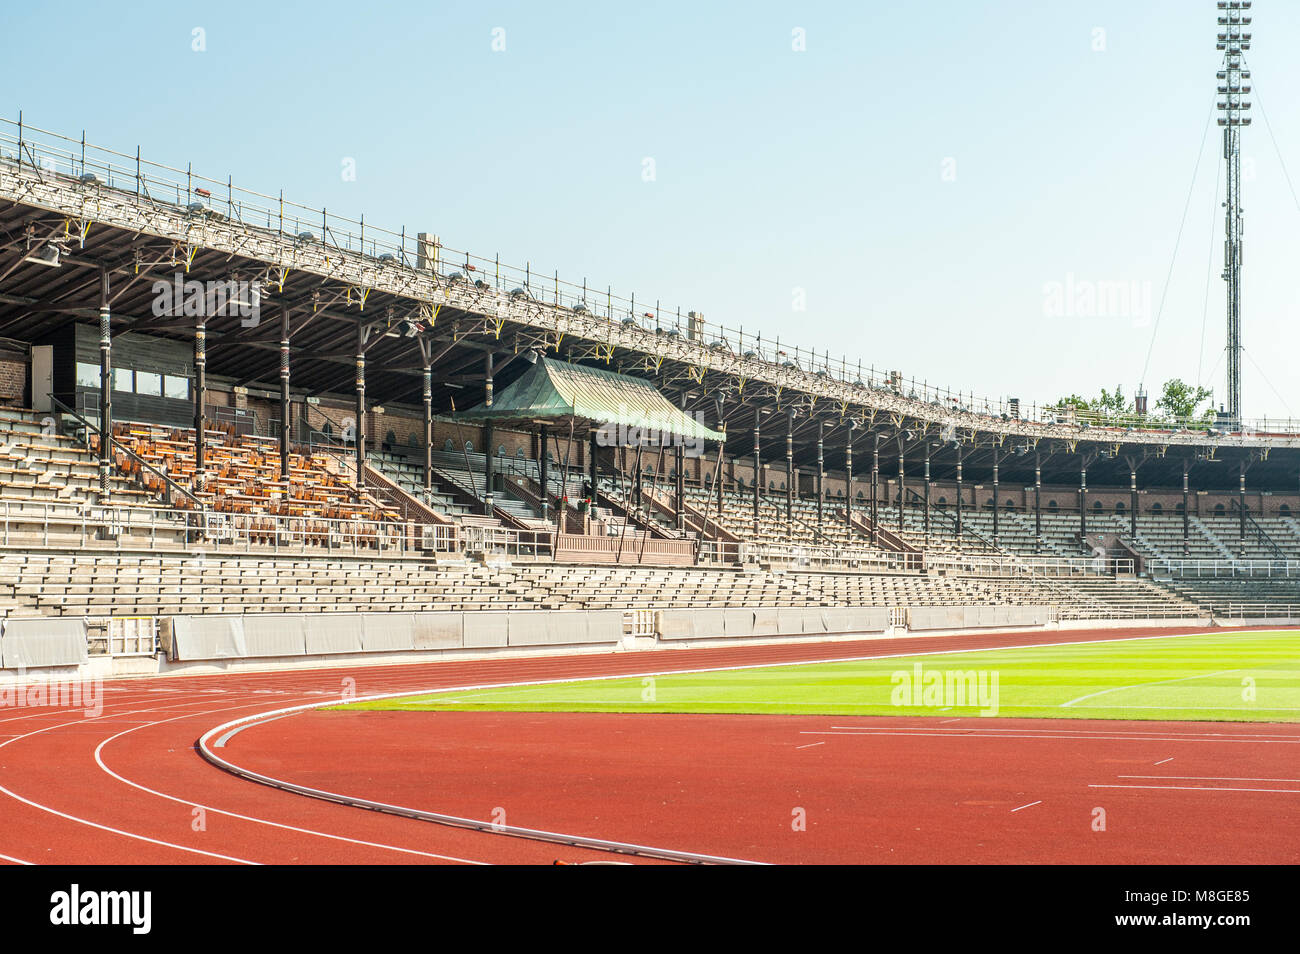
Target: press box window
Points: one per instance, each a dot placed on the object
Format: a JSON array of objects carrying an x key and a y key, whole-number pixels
[
  {"x": 87, "y": 375},
  {"x": 178, "y": 389},
  {"x": 148, "y": 383},
  {"x": 123, "y": 379}
]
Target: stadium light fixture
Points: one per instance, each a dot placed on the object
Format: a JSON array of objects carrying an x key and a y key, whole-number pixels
[
  {"x": 47, "y": 255},
  {"x": 1233, "y": 40}
]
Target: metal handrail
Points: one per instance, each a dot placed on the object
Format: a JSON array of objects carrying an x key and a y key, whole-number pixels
[{"x": 114, "y": 442}]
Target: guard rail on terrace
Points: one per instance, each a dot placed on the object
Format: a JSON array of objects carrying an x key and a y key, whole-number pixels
[
  {"x": 90, "y": 167},
  {"x": 1164, "y": 569},
  {"x": 127, "y": 528},
  {"x": 1256, "y": 610}
]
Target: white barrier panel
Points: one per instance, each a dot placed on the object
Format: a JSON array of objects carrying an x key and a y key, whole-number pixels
[
  {"x": 332, "y": 633},
  {"x": 387, "y": 632},
  {"x": 438, "y": 631},
  {"x": 486, "y": 629},
  {"x": 529, "y": 628},
  {"x": 208, "y": 637},
  {"x": 276, "y": 635},
  {"x": 768, "y": 621},
  {"x": 34, "y": 643},
  {"x": 976, "y": 617}
]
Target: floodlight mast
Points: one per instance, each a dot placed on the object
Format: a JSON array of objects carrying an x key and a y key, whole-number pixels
[{"x": 1234, "y": 82}]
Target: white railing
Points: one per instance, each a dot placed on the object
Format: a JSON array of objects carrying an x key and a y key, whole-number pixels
[
  {"x": 1223, "y": 569},
  {"x": 1257, "y": 610},
  {"x": 153, "y": 528},
  {"x": 503, "y": 541},
  {"x": 85, "y": 166}
]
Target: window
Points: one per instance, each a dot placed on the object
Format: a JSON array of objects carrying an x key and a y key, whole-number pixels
[
  {"x": 87, "y": 375},
  {"x": 1178, "y": 508},
  {"x": 1284, "y": 510},
  {"x": 1096, "y": 505},
  {"x": 176, "y": 388},
  {"x": 1218, "y": 510},
  {"x": 123, "y": 379},
  {"x": 1052, "y": 506},
  {"x": 501, "y": 450},
  {"x": 449, "y": 445},
  {"x": 943, "y": 502},
  {"x": 469, "y": 447},
  {"x": 1119, "y": 506},
  {"x": 1156, "y": 508},
  {"x": 148, "y": 383}
]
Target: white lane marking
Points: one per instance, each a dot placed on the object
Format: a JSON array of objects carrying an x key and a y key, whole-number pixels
[
  {"x": 809, "y": 745},
  {"x": 261, "y": 821},
  {"x": 1030, "y": 805},
  {"x": 107, "y": 828},
  {"x": 1120, "y": 737},
  {"x": 1205, "y": 788},
  {"x": 987, "y": 725},
  {"x": 1250, "y": 708},
  {"x": 1143, "y": 685},
  {"x": 17, "y": 861},
  {"x": 1212, "y": 778},
  {"x": 946, "y": 721},
  {"x": 577, "y": 841},
  {"x": 1163, "y": 761}
]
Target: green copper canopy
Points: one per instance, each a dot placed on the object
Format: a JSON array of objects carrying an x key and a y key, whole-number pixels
[{"x": 554, "y": 390}]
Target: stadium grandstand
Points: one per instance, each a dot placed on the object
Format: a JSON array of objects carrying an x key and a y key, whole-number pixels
[{"x": 237, "y": 428}]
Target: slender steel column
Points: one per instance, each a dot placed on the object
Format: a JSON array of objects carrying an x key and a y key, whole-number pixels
[
  {"x": 105, "y": 387},
  {"x": 544, "y": 475},
  {"x": 927, "y": 492},
  {"x": 1187, "y": 516},
  {"x": 875, "y": 485},
  {"x": 284, "y": 394},
  {"x": 489, "y": 437},
  {"x": 821, "y": 472},
  {"x": 1038, "y": 494},
  {"x": 360, "y": 430},
  {"x": 1241, "y": 510},
  {"x": 789, "y": 467},
  {"x": 959, "y": 493},
  {"x": 902, "y": 489},
  {"x": 995, "y": 498},
  {"x": 1133, "y": 501},
  {"x": 200, "y": 401},
  {"x": 758, "y": 467},
  {"x": 428, "y": 427},
  {"x": 848, "y": 471},
  {"x": 1083, "y": 504},
  {"x": 680, "y": 502}
]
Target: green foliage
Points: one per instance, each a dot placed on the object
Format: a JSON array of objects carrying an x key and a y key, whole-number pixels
[
  {"x": 1109, "y": 404},
  {"x": 1181, "y": 400},
  {"x": 1178, "y": 400}
]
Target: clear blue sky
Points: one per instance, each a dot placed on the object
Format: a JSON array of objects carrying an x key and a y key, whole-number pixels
[{"x": 775, "y": 169}]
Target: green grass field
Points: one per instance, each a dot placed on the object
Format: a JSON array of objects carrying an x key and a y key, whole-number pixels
[{"x": 1215, "y": 677}]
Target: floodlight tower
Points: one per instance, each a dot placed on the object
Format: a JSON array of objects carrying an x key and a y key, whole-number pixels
[{"x": 1234, "y": 82}]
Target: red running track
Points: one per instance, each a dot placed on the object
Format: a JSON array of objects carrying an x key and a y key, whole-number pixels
[{"x": 128, "y": 786}]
